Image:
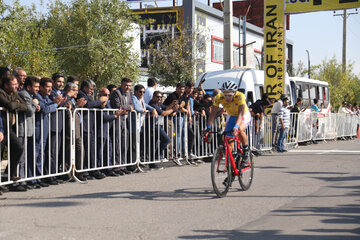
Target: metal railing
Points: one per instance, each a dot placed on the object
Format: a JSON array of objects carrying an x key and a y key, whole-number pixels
[{"x": 95, "y": 139}]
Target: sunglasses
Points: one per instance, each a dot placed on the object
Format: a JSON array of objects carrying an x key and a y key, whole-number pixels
[
  {"x": 158, "y": 96},
  {"x": 142, "y": 92}
]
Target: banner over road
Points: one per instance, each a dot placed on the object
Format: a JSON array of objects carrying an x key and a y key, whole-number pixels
[
  {"x": 298, "y": 6},
  {"x": 145, "y": 0},
  {"x": 274, "y": 46}
]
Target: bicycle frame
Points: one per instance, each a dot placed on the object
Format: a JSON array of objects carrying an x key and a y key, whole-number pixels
[{"x": 227, "y": 151}]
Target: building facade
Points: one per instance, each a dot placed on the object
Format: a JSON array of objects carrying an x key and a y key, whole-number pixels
[{"x": 207, "y": 22}]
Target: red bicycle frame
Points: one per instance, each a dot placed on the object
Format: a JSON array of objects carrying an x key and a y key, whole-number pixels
[{"x": 232, "y": 161}]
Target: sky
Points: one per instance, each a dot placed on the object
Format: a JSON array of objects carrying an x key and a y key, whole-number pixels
[{"x": 318, "y": 32}]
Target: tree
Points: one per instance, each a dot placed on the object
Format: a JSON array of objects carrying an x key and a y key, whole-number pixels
[
  {"x": 343, "y": 86},
  {"x": 24, "y": 40},
  {"x": 174, "y": 60},
  {"x": 300, "y": 70},
  {"x": 92, "y": 39}
]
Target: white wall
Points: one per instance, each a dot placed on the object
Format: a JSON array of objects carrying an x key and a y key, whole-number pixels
[{"x": 214, "y": 27}]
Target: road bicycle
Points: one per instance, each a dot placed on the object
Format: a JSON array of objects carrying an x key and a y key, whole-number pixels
[{"x": 226, "y": 165}]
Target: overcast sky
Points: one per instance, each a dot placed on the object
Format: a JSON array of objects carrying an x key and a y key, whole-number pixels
[{"x": 318, "y": 32}]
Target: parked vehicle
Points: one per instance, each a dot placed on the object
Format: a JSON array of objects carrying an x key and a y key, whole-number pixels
[{"x": 251, "y": 83}]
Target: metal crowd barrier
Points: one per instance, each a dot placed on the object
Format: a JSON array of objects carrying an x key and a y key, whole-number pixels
[
  {"x": 293, "y": 132},
  {"x": 103, "y": 141},
  {"x": 305, "y": 127},
  {"x": 44, "y": 145},
  {"x": 93, "y": 139}
]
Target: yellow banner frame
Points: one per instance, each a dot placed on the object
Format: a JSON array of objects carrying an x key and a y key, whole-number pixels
[
  {"x": 298, "y": 6},
  {"x": 274, "y": 47}
]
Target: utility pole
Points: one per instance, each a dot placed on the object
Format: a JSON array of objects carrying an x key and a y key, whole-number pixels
[
  {"x": 345, "y": 15},
  {"x": 308, "y": 54},
  {"x": 344, "y": 42},
  {"x": 244, "y": 40},
  {"x": 228, "y": 36}
]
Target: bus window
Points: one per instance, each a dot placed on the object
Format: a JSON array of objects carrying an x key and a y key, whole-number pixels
[
  {"x": 299, "y": 91},
  {"x": 250, "y": 98},
  {"x": 288, "y": 93},
  {"x": 293, "y": 90},
  {"x": 312, "y": 92},
  {"x": 325, "y": 94},
  {"x": 305, "y": 95},
  {"x": 317, "y": 92}
]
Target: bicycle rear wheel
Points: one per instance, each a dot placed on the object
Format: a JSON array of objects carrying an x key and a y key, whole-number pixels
[
  {"x": 220, "y": 172},
  {"x": 246, "y": 174}
]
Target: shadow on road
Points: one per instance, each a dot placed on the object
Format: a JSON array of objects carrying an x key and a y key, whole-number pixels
[
  {"x": 267, "y": 234},
  {"x": 340, "y": 215}
]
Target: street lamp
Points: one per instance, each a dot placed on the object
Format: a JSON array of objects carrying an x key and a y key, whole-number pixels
[{"x": 308, "y": 63}]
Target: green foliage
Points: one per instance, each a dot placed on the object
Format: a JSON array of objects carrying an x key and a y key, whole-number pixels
[
  {"x": 84, "y": 38},
  {"x": 343, "y": 86},
  {"x": 22, "y": 35},
  {"x": 174, "y": 61},
  {"x": 99, "y": 30}
]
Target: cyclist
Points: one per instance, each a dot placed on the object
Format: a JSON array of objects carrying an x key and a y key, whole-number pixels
[{"x": 235, "y": 105}]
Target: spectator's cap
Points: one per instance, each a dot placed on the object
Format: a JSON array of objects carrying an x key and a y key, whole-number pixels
[
  {"x": 180, "y": 85},
  {"x": 283, "y": 96},
  {"x": 344, "y": 102}
]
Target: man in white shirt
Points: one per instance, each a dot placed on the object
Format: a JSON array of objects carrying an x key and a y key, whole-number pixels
[
  {"x": 274, "y": 114},
  {"x": 152, "y": 83}
]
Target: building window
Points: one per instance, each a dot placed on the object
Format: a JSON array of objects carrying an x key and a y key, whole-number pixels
[{"x": 218, "y": 47}]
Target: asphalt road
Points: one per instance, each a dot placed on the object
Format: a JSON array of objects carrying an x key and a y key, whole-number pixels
[{"x": 311, "y": 193}]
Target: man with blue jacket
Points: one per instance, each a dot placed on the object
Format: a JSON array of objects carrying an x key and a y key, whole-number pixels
[{"x": 47, "y": 106}]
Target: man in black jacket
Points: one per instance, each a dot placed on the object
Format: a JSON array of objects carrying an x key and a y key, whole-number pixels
[
  {"x": 88, "y": 120},
  {"x": 12, "y": 102}
]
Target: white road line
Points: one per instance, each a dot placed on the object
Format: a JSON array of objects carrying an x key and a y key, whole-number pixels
[{"x": 324, "y": 151}]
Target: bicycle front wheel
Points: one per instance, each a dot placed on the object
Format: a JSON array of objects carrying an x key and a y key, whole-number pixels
[
  {"x": 220, "y": 172},
  {"x": 246, "y": 174}
]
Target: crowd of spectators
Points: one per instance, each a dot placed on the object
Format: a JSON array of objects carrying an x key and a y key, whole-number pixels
[{"x": 37, "y": 114}]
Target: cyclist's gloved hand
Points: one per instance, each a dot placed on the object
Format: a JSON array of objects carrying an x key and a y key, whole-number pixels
[
  {"x": 207, "y": 130},
  {"x": 236, "y": 130},
  {"x": 207, "y": 136}
]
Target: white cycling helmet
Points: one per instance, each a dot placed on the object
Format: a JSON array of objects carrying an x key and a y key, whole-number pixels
[{"x": 229, "y": 86}]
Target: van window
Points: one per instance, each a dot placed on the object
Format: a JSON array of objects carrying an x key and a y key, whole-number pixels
[
  {"x": 250, "y": 98},
  {"x": 259, "y": 91}
]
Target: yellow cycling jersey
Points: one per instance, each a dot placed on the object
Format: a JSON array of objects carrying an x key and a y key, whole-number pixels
[{"x": 232, "y": 108}]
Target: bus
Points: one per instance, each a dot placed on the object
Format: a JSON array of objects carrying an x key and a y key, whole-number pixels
[{"x": 309, "y": 89}]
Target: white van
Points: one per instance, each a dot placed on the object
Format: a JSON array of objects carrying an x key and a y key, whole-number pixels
[{"x": 249, "y": 81}]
